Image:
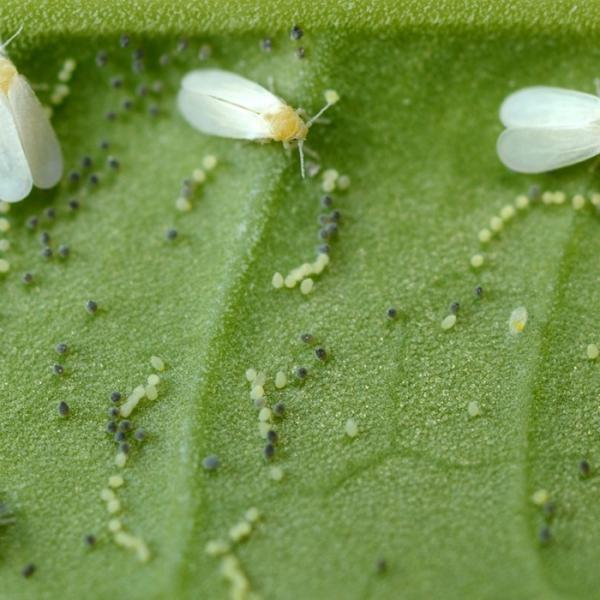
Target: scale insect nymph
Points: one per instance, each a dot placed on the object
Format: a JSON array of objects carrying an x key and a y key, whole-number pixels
[{"x": 221, "y": 103}]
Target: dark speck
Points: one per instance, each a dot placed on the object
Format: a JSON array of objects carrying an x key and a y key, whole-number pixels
[
  {"x": 545, "y": 535},
  {"x": 171, "y": 234},
  {"x": 320, "y": 353},
  {"x": 124, "y": 40},
  {"x": 50, "y": 214},
  {"x": 73, "y": 204},
  {"x": 300, "y": 53},
  {"x": 111, "y": 427},
  {"x": 272, "y": 436},
  {"x": 211, "y": 462},
  {"x": 44, "y": 238},
  {"x": 139, "y": 435},
  {"x": 27, "y": 278},
  {"x": 279, "y": 409},
  {"x": 90, "y": 540},
  {"x": 296, "y": 33},
  {"x": 269, "y": 451},
  {"x": 116, "y": 82},
  {"x": 381, "y": 565},
  {"x": 64, "y": 251},
  {"x": 266, "y": 45},
  {"x": 120, "y": 436},
  {"x": 301, "y": 372},
  {"x": 94, "y": 179},
  {"x": 91, "y": 306},
  {"x": 391, "y": 312},
  {"x": 307, "y": 338},
  {"x": 101, "y": 58},
  {"x": 58, "y": 369},
  {"x": 115, "y": 397},
  {"x": 63, "y": 409},
  {"x": 454, "y": 307},
  {"x": 74, "y": 176},
  {"x": 584, "y": 468},
  {"x": 479, "y": 291},
  {"x": 31, "y": 223},
  {"x": 326, "y": 201},
  {"x": 86, "y": 162},
  {"x": 28, "y": 570},
  {"x": 61, "y": 348},
  {"x": 46, "y": 252}
]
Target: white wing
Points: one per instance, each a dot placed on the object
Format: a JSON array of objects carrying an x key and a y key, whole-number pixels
[
  {"x": 37, "y": 136},
  {"x": 225, "y": 104},
  {"x": 15, "y": 176},
  {"x": 549, "y": 107},
  {"x": 539, "y": 149}
]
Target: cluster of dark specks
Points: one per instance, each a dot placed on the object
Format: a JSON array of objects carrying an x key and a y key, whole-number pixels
[
  {"x": 123, "y": 431},
  {"x": 296, "y": 34},
  {"x": 329, "y": 227}
]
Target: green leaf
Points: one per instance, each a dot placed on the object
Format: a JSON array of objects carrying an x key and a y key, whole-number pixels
[{"x": 443, "y": 498}]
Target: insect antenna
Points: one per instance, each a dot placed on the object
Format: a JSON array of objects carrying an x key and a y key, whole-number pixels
[
  {"x": 301, "y": 152},
  {"x": 313, "y": 119},
  {"x": 5, "y": 44}
]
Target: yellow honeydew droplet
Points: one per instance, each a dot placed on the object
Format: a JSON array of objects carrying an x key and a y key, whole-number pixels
[
  {"x": 153, "y": 379},
  {"x": 518, "y": 320},
  {"x": 578, "y": 201},
  {"x": 199, "y": 175},
  {"x": 120, "y": 459},
  {"x": 265, "y": 414},
  {"x": 351, "y": 428},
  {"x": 473, "y": 409},
  {"x": 115, "y": 525},
  {"x": 115, "y": 481},
  {"x": 263, "y": 429},
  {"x": 477, "y": 260},
  {"x": 216, "y": 548},
  {"x": 157, "y": 363},
  {"x": 280, "y": 380},
  {"x": 277, "y": 280},
  {"x": 276, "y": 473},
  {"x": 307, "y": 285},
  {"x": 252, "y": 515},
  {"x": 4, "y": 245},
  {"x": 209, "y": 162},
  {"x": 183, "y": 204},
  {"x": 113, "y": 506},
  {"x": 4, "y": 207},
  {"x": 290, "y": 281},
  {"x": 151, "y": 392},
  {"x": 540, "y": 497},
  {"x": 496, "y": 224},
  {"x": 250, "y": 375},
  {"x": 4, "y": 265},
  {"x": 343, "y": 183},
  {"x": 485, "y": 235},
  {"x": 507, "y": 212},
  {"x": 592, "y": 351},
  {"x": 449, "y": 322},
  {"x": 107, "y": 495},
  {"x": 257, "y": 392},
  {"x": 240, "y": 531},
  {"x": 522, "y": 202}
]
